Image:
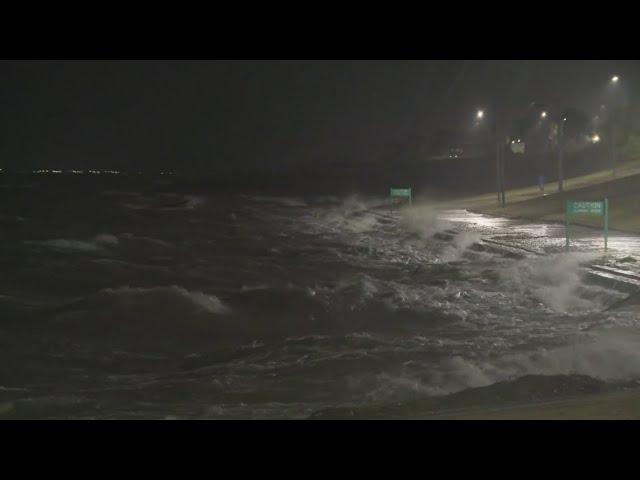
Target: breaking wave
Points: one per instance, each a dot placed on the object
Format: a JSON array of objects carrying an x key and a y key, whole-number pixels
[
  {"x": 354, "y": 214},
  {"x": 145, "y": 319},
  {"x": 554, "y": 280},
  {"x": 604, "y": 357},
  {"x": 97, "y": 244},
  {"x": 153, "y": 241},
  {"x": 423, "y": 220},
  {"x": 174, "y": 298}
]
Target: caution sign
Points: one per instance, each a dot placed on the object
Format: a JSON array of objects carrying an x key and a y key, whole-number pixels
[{"x": 598, "y": 208}]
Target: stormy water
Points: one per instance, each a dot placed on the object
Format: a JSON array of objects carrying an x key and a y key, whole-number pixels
[{"x": 122, "y": 301}]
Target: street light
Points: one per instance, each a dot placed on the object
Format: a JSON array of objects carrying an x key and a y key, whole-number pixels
[
  {"x": 553, "y": 111},
  {"x": 495, "y": 137},
  {"x": 614, "y": 112}
]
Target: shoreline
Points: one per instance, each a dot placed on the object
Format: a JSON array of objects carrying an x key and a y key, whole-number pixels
[
  {"x": 623, "y": 405},
  {"x": 532, "y": 205}
]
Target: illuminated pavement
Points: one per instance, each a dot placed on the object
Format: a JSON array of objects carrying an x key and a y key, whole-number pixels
[
  {"x": 619, "y": 266},
  {"x": 545, "y": 237}
]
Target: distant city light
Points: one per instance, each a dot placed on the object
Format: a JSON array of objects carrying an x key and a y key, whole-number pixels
[
  {"x": 615, "y": 79},
  {"x": 595, "y": 138},
  {"x": 74, "y": 171},
  {"x": 543, "y": 115},
  {"x": 480, "y": 114}
]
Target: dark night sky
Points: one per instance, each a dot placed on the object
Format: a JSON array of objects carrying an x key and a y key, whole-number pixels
[{"x": 201, "y": 115}]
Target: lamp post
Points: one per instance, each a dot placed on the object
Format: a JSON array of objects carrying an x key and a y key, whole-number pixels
[
  {"x": 561, "y": 154},
  {"x": 495, "y": 139},
  {"x": 613, "y": 154},
  {"x": 551, "y": 110},
  {"x": 560, "y": 118}
]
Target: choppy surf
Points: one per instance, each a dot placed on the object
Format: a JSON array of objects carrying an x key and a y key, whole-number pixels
[{"x": 212, "y": 306}]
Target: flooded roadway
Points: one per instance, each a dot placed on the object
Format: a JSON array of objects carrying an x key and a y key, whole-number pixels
[
  {"x": 544, "y": 237},
  {"x": 618, "y": 263}
]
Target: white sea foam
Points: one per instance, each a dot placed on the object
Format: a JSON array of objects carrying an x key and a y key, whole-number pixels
[
  {"x": 154, "y": 241},
  {"x": 106, "y": 239},
  {"x": 67, "y": 245},
  {"x": 253, "y": 288},
  {"x": 157, "y": 297},
  {"x": 96, "y": 244},
  {"x": 459, "y": 245},
  {"x": 423, "y": 220},
  {"x": 606, "y": 356},
  {"x": 553, "y": 280},
  {"x": 354, "y": 215}
]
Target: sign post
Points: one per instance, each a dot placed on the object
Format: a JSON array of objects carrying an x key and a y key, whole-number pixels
[
  {"x": 598, "y": 208},
  {"x": 401, "y": 192},
  {"x": 606, "y": 222}
]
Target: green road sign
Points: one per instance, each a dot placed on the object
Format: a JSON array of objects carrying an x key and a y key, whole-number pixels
[
  {"x": 599, "y": 208},
  {"x": 401, "y": 192},
  {"x": 517, "y": 147},
  {"x": 589, "y": 208}
]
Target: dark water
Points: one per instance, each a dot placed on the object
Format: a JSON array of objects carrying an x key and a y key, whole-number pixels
[{"x": 124, "y": 301}]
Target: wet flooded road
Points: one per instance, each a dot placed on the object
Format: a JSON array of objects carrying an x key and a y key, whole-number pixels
[
  {"x": 545, "y": 237},
  {"x": 619, "y": 262}
]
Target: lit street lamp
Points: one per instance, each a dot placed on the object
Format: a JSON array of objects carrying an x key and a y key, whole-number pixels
[
  {"x": 560, "y": 120},
  {"x": 499, "y": 154},
  {"x": 613, "y": 154},
  {"x": 561, "y": 155}
]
